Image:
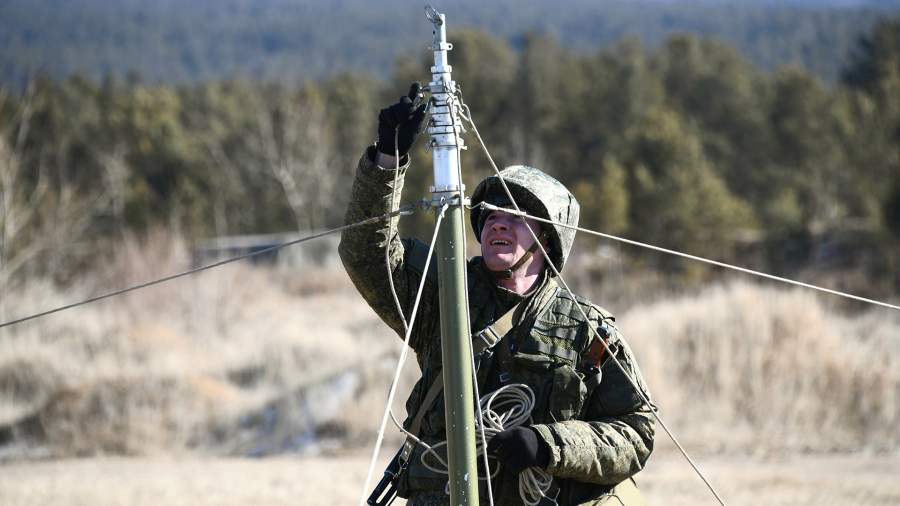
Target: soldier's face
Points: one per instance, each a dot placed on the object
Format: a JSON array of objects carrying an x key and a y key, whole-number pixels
[{"x": 505, "y": 238}]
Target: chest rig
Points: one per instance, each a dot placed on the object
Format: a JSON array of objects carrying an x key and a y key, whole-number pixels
[{"x": 541, "y": 342}]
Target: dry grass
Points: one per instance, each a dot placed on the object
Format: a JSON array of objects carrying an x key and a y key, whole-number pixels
[
  {"x": 190, "y": 365},
  {"x": 743, "y": 367},
  {"x": 245, "y": 360}
]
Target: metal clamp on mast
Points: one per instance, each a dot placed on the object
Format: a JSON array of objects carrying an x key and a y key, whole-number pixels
[{"x": 445, "y": 129}]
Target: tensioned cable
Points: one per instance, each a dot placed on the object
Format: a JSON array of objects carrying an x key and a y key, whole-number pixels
[
  {"x": 699, "y": 259},
  {"x": 403, "y": 353},
  {"x": 668, "y": 251},
  {"x": 404, "y": 210},
  {"x": 611, "y": 355}
]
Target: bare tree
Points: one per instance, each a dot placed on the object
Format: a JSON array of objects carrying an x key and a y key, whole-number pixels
[
  {"x": 42, "y": 221},
  {"x": 115, "y": 174},
  {"x": 227, "y": 184},
  {"x": 296, "y": 145}
]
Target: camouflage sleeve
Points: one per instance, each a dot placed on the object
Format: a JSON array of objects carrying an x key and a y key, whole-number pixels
[
  {"x": 614, "y": 439},
  {"x": 362, "y": 249}
]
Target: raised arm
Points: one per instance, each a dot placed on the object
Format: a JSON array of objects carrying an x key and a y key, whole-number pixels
[{"x": 362, "y": 249}]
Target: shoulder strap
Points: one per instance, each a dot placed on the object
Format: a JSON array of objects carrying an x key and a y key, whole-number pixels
[
  {"x": 436, "y": 386},
  {"x": 501, "y": 327}
]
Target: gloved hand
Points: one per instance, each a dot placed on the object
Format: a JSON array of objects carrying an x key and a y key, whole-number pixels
[
  {"x": 519, "y": 448},
  {"x": 408, "y": 118}
]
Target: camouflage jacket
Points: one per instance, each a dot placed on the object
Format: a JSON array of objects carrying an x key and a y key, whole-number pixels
[{"x": 595, "y": 442}]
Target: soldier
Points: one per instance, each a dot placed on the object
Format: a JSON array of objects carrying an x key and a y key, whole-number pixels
[{"x": 591, "y": 430}]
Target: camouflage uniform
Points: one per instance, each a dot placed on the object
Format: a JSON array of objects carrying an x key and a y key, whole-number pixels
[{"x": 595, "y": 443}]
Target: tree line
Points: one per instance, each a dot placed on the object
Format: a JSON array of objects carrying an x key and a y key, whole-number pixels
[
  {"x": 175, "y": 42},
  {"x": 687, "y": 146}
]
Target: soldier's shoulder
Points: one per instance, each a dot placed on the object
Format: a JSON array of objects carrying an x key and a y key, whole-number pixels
[{"x": 570, "y": 310}]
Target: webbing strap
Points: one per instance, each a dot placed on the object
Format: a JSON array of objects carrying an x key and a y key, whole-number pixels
[
  {"x": 436, "y": 386},
  {"x": 502, "y": 328}
]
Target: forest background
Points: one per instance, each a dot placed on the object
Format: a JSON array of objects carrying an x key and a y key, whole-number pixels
[
  {"x": 761, "y": 133},
  {"x": 782, "y": 163}
]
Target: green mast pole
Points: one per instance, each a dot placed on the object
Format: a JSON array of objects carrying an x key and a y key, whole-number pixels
[{"x": 456, "y": 340}]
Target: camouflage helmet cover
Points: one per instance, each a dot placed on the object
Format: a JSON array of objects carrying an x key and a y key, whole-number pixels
[{"x": 537, "y": 194}]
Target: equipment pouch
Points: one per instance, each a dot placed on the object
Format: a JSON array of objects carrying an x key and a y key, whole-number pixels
[
  {"x": 567, "y": 394},
  {"x": 536, "y": 371},
  {"x": 558, "y": 389}
]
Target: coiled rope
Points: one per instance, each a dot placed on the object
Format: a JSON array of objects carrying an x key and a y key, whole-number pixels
[{"x": 507, "y": 407}]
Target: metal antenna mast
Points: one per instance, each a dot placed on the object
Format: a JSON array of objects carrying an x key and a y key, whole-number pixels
[{"x": 456, "y": 343}]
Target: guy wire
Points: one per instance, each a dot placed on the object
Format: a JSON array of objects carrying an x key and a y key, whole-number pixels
[
  {"x": 408, "y": 209},
  {"x": 565, "y": 285},
  {"x": 697, "y": 258}
]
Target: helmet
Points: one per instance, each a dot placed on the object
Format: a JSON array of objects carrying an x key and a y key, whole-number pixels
[{"x": 537, "y": 194}]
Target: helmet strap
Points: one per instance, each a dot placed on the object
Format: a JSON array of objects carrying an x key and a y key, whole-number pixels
[{"x": 508, "y": 273}]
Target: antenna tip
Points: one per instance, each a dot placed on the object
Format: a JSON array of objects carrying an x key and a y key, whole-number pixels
[{"x": 433, "y": 15}]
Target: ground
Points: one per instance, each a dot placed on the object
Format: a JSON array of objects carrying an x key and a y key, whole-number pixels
[{"x": 819, "y": 480}]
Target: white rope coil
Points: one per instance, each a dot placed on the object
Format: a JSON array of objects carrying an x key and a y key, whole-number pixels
[{"x": 507, "y": 407}]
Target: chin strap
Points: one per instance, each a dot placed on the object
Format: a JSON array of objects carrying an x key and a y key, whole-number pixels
[{"x": 507, "y": 273}]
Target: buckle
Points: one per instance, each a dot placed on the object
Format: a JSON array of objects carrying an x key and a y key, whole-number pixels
[
  {"x": 546, "y": 500},
  {"x": 489, "y": 341}
]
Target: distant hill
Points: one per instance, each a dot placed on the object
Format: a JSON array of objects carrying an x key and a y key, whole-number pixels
[
  {"x": 878, "y": 4},
  {"x": 174, "y": 41}
]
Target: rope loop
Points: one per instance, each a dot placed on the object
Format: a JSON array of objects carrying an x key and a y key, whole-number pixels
[{"x": 507, "y": 407}]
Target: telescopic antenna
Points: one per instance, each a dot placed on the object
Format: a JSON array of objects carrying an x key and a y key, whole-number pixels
[{"x": 445, "y": 128}]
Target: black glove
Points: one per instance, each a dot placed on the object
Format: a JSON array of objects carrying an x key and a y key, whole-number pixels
[
  {"x": 409, "y": 119},
  {"x": 519, "y": 448}
]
